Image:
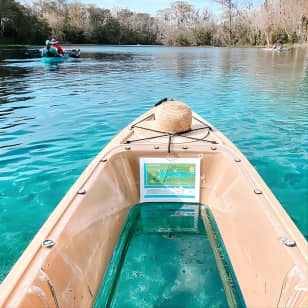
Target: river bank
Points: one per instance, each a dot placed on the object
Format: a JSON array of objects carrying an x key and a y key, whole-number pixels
[{"x": 287, "y": 45}]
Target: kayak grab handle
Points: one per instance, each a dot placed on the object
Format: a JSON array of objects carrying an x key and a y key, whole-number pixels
[{"x": 161, "y": 101}]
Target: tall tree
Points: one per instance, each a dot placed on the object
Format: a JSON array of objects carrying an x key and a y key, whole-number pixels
[{"x": 230, "y": 8}]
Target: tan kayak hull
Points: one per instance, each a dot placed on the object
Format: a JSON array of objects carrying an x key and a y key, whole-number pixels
[{"x": 85, "y": 229}]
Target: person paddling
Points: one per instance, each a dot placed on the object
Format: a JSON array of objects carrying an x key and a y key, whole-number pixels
[
  {"x": 54, "y": 44},
  {"x": 49, "y": 51}
]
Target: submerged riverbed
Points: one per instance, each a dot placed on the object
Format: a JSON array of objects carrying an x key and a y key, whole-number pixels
[{"x": 54, "y": 119}]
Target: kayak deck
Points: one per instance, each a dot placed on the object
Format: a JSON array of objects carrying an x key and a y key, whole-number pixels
[
  {"x": 164, "y": 258},
  {"x": 84, "y": 228}
]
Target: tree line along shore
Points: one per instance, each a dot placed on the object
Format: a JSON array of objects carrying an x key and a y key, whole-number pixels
[{"x": 238, "y": 23}]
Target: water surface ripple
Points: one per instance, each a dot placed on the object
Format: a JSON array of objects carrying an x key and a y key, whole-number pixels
[{"x": 54, "y": 119}]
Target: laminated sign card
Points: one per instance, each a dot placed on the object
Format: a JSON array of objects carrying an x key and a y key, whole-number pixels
[{"x": 169, "y": 179}]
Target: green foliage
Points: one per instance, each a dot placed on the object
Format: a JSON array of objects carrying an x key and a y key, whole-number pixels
[
  {"x": 203, "y": 37},
  {"x": 294, "y": 38},
  {"x": 109, "y": 33},
  {"x": 20, "y": 25},
  {"x": 280, "y": 36},
  {"x": 183, "y": 39},
  {"x": 74, "y": 35}
]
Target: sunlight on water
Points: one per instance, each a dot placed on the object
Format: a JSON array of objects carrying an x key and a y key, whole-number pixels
[{"x": 54, "y": 119}]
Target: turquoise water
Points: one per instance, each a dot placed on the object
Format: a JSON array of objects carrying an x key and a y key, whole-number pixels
[
  {"x": 164, "y": 259},
  {"x": 54, "y": 119}
]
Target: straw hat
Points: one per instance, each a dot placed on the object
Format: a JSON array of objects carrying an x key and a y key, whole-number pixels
[{"x": 172, "y": 117}]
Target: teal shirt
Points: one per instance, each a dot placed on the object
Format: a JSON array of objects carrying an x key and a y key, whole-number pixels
[{"x": 50, "y": 52}]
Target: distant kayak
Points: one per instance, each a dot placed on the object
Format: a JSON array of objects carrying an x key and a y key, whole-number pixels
[
  {"x": 55, "y": 59},
  {"x": 275, "y": 50},
  {"x": 69, "y": 53}
]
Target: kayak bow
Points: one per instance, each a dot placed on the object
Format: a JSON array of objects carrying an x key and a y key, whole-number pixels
[{"x": 66, "y": 262}]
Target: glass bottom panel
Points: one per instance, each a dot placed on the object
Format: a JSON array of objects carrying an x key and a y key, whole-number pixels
[{"x": 163, "y": 259}]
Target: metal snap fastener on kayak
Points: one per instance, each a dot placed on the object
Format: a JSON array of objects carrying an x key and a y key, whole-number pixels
[
  {"x": 82, "y": 191},
  {"x": 288, "y": 242},
  {"x": 156, "y": 147},
  {"x": 237, "y": 160},
  {"x": 104, "y": 160},
  {"x": 127, "y": 148},
  {"x": 258, "y": 191},
  {"x": 48, "y": 243},
  {"x": 185, "y": 147},
  {"x": 213, "y": 148}
]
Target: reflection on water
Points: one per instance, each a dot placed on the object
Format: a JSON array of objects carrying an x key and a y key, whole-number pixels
[{"x": 55, "y": 118}]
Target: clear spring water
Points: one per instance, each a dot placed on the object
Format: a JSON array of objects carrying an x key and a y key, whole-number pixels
[
  {"x": 165, "y": 258},
  {"x": 54, "y": 119}
]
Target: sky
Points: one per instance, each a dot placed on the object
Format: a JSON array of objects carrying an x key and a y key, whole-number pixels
[{"x": 152, "y": 6}]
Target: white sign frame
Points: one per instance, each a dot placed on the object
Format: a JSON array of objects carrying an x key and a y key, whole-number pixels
[{"x": 169, "y": 193}]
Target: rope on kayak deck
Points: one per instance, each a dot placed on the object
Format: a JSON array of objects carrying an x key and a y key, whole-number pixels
[
  {"x": 169, "y": 144},
  {"x": 170, "y": 134}
]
